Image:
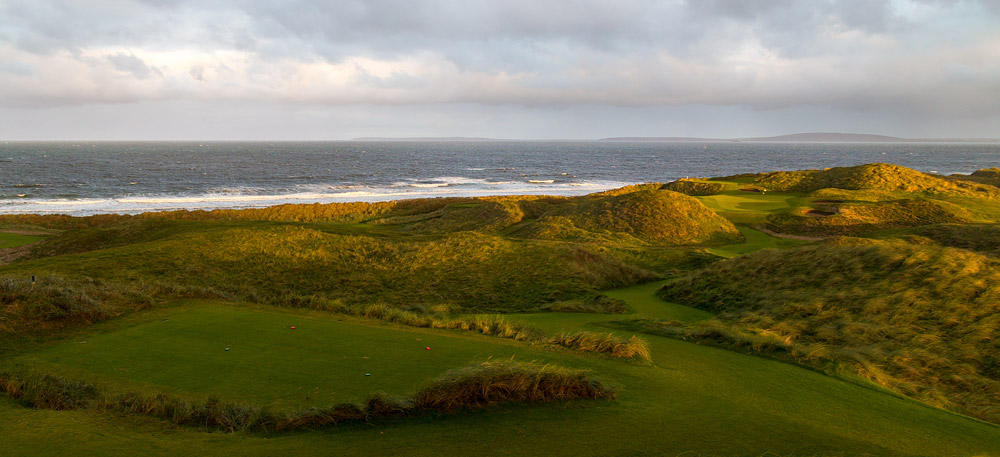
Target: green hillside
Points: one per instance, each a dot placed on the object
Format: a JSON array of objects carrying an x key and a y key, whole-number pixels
[
  {"x": 657, "y": 217},
  {"x": 862, "y": 217},
  {"x": 874, "y": 176},
  {"x": 916, "y": 319}
]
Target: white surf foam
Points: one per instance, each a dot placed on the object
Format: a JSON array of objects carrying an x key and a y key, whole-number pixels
[{"x": 235, "y": 198}]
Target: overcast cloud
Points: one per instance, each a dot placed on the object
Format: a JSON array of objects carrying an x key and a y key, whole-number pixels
[{"x": 306, "y": 69}]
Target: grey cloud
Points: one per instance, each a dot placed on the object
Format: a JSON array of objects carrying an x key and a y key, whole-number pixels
[
  {"x": 849, "y": 55},
  {"x": 16, "y": 68},
  {"x": 134, "y": 65}
]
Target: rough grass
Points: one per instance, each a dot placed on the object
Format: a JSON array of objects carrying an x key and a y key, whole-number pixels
[
  {"x": 267, "y": 263},
  {"x": 864, "y": 218},
  {"x": 52, "y": 302},
  {"x": 630, "y": 348},
  {"x": 479, "y": 386},
  {"x": 990, "y": 176},
  {"x": 655, "y": 217},
  {"x": 920, "y": 320},
  {"x": 474, "y": 387},
  {"x": 694, "y": 188},
  {"x": 984, "y": 238},
  {"x": 874, "y": 176},
  {"x": 499, "y": 326}
]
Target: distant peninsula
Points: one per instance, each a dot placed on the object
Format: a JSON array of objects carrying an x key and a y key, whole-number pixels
[
  {"x": 811, "y": 137},
  {"x": 424, "y": 138}
]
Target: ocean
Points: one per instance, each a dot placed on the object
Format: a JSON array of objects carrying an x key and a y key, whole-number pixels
[{"x": 85, "y": 178}]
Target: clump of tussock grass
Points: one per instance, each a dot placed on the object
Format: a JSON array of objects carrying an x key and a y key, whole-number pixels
[
  {"x": 44, "y": 391},
  {"x": 479, "y": 386},
  {"x": 626, "y": 348},
  {"x": 474, "y": 387}
]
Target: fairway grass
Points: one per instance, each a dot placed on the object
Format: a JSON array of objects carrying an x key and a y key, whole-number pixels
[
  {"x": 13, "y": 240},
  {"x": 320, "y": 362},
  {"x": 755, "y": 241},
  {"x": 679, "y": 403}
]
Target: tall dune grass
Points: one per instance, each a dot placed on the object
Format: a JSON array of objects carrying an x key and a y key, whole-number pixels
[
  {"x": 474, "y": 387},
  {"x": 919, "y": 319}
]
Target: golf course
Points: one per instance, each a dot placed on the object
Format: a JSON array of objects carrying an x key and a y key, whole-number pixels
[{"x": 842, "y": 312}]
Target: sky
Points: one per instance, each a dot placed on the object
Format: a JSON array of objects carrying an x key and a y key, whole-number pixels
[{"x": 520, "y": 69}]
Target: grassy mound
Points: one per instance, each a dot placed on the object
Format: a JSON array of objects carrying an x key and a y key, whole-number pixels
[
  {"x": 478, "y": 215},
  {"x": 921, "y": 320},
  {"x": 874, "y": 176},
  {"x": 633, "y": 214},
  {"x": 276, "y": 263},
  {"x": 694, "y": 188},
  {"x": 989, "y": 176},
  {"x": 861, "y": 218},
  {"x": 657, "y": 217}
]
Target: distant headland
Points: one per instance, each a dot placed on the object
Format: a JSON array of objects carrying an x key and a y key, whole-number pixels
[{"x": 810, "y": 137}]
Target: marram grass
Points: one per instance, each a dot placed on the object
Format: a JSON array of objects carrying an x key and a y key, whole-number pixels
[{"x": 474, "y": 387}]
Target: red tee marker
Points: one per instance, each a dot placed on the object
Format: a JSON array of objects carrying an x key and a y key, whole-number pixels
[
  {"x": 427, "y": 348},
  {"x": 292, "y": 328}
]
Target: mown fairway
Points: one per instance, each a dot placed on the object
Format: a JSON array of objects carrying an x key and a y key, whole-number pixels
[
  {"x": 319, "y": 362},
  {"x": 13, "y": 240}
]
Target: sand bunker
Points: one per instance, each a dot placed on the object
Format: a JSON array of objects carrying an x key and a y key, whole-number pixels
[{"x": 818, "y": 213}]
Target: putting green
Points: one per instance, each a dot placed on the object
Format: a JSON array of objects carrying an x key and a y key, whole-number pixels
[{"x": 321, "y": 362}]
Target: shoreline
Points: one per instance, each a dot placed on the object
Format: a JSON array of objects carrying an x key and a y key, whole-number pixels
[{"x": 127, "y": 205}]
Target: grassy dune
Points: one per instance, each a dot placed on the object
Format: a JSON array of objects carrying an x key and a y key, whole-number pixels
[
  {"x": 866, "y": 218},
  {"x": 276, "y": 263},
  {"x": 914, "y": 318},
  {"x": 873, "y": 176},
  {"x": 374, "y": 284}
]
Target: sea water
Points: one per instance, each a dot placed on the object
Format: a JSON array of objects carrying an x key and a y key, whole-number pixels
[{"x": 84, "y": 178}]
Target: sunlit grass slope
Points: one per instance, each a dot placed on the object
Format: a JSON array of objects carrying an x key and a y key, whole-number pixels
[
  {"x": 874, "y": 176},
  {"x": 918, "y": 319},
  {"x": 865, "y": 218},
  {"x": 276, "y": 263}
]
